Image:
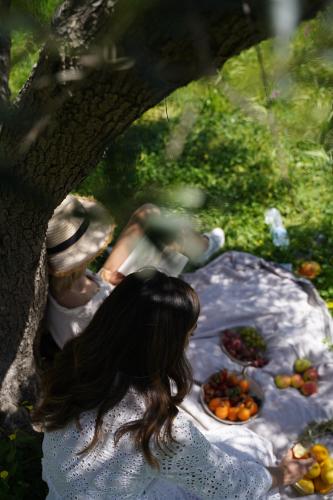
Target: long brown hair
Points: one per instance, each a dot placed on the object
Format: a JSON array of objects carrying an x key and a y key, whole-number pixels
[{"x": 136, "y": 339}]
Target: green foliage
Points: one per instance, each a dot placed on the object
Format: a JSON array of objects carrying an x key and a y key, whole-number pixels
[
  {"x": 30, "y": 18},
  {"x": 244, "y": 152},
  {"x": 316, "y": 431},
  {"x": 42, "y": 10},
  {"x": 20, "y": 466},
  {"x": 24, "y": 56}
]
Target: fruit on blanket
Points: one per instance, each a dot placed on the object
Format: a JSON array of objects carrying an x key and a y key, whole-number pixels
[
  {"x": 302, "y": 364},
  {"x": 319, "y": 452},
  {"x": 326, "y": 464},
  {"x": 299, "y": 451},
  {"x": 222, "y": 412},
  {"x": 309, "y": 269},
  {"x": 309, "y": 388},
  {"x": 327, "y": 476},
  {"x": 305, "y": 379},
  {"x": 321, "y": 473},
  {"x": 315, "y": 471},
  {"x": 228, "y": 395},
  {"x": 282, "y": 381},
  {"x": 311, "y": 374},
  {"x": 320, "y": 486},
  {"x": 297, "y": 380},
  {"x": 307, "y": 485}
]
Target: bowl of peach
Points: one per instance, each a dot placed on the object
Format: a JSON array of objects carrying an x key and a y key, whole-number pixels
[
  {"x": 231, "y": 398},
  {"x": 319, "y": 479}
]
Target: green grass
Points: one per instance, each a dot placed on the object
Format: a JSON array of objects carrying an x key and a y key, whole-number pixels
[{"x": 243, "y": 153}]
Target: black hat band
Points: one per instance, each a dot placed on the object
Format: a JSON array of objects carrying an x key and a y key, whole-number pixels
[{"x": 70, "y": 241}]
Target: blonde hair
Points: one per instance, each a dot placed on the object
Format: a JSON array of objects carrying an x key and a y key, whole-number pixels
[{"x": 60, "y": 284}]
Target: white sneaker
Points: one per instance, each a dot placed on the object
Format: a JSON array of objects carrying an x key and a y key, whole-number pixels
[{"x": 216, "y": 240}]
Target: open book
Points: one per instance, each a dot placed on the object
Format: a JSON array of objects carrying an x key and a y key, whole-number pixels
[{"x": 146, "y": 254}]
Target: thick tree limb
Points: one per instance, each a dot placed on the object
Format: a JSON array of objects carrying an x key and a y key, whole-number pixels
[
  {"x": 109, "y": 61},
  {"x": 106, "y": 62}
]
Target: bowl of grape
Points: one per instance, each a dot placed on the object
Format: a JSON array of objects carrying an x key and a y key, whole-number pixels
[{"x": 245, "y": 345}]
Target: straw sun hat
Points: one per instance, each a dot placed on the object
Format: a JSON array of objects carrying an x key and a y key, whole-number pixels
[{"x": 79, "y": 230}]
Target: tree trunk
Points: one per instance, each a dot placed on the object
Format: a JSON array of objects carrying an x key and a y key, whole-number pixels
[
  {"x": 23, "y": 294},
  {"x": 105, "y": 64}
]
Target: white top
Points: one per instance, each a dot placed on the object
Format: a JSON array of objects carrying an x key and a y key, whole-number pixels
[
  {"x": 197, "y": 469},
  {"x": 64, "y": 323}
]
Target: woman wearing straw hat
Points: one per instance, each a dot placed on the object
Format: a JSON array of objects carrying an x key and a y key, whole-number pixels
[{"x": 78, "y": 232}]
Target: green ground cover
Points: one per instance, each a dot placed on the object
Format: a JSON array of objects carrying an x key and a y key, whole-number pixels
[{"x": 243, "y": 152}]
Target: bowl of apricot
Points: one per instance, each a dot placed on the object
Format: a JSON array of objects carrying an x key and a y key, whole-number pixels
[{"x": 231, "y": 397}]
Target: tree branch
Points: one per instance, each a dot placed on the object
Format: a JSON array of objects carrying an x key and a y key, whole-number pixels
[{"x": 106, "y": 63}]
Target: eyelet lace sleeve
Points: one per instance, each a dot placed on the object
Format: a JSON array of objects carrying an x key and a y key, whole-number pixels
[
  {"x": 195, "y": 470},
  {"x": 208, "y": 472}
]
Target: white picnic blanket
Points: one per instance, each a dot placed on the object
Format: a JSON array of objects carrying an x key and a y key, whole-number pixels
[{"x": 239, "y": 289}]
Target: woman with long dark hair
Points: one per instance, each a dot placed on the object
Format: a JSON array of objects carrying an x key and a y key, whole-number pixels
[{"x": 109, "y": 407}]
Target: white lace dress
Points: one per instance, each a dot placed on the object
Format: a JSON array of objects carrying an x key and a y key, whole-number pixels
[{"x": 196, "y": 470}]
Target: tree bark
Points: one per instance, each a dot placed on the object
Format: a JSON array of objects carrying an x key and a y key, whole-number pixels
[{"x": 105, "y": 64}]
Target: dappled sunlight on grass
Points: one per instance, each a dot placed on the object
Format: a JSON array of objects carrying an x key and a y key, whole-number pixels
[{"x": 245, "y": 154}]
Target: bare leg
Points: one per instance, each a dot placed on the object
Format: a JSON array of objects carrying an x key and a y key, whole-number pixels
[
  {"x": 187, "y": 241},
  {"x": 193, "y": 244}
]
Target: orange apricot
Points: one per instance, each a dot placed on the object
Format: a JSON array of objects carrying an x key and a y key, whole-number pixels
[
  {"x": 244, "y": 385},
  {"x": 251, "y": 405},
  {"x": 222, "y": 412},
  {"x": 214, "y": 403},
  {"x": 253, "y": 408},
  {"x": 233, "y": 379},
  {"x": 244, "y": 414},
  {"x": 319, "y": 452},
  {"x": 225, "y": 402},
  {"x": 233, "y": 413}
]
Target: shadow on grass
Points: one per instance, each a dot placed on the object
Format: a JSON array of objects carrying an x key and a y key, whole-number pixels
[
  {"x": 135, "y": 170},
  {"x": 115, "y": 182},
  {"x": 238, "y": 179}
]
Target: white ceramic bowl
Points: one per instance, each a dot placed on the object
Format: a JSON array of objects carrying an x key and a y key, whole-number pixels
[
  {"x": 255, "y": 390},
  {"x": 227, "y": 353}
]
